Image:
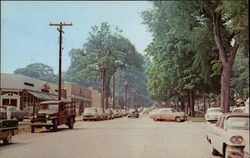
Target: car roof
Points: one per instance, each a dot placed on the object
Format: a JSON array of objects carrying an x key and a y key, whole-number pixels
[
  {"x": 54, "y": 102},
  {"x": 227, "y": 115}
]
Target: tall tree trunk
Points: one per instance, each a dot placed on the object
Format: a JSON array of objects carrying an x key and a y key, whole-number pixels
[
  {"x": 226, "y": 59},
  {"x": 225, "y": 88}
]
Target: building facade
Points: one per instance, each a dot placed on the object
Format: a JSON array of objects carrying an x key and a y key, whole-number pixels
[
  {"x": 24, "y": 92},
  {"x": 78, "y": 94}
]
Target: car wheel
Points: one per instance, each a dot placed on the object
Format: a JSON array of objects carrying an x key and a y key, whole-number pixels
[
  {"x": 55, "y": 125},
  {"x": 71, "y": 123},
  {"x": 8, "y": 140},
  {"x": 47, "y": 127},
  {"x": 178, "y": 119},
  {"x": 214, "y": 151},
  {"x": 32, "y": 129}
]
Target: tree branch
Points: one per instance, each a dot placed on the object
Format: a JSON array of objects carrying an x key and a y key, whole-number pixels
[{"x": 233, "y": 53}]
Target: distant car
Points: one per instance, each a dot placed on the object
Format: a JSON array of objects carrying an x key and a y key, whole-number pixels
[
  {"x": 16, "y": 114},
  {"x": 133, "y": 113},
  {"x": 229, "y": 135},
  {"x": 101, "y": 114},
  {"x": 109, "y": 113},
  {"x": 239, "y": 109},
  {"x": 212, "y": 114},
  {"x": 168, "y": 114},
  {"x": 90, "y": 114}
]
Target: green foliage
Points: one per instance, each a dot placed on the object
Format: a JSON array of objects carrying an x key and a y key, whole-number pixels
[
  {"x": 182, "y": 50},
  {"x": 39, "y": 71},
  {"x": 106, "y": 46}
]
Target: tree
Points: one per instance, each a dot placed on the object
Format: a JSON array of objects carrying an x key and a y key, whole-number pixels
[
  {"x": 104, "y": 47},
  {"x": 230, "y": 27},
  {"x": 182, "y": 50},
  {"x": 39, "y": 71}
]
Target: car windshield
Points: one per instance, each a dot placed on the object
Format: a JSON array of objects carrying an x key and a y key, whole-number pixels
[
  {"x": 90, "y": 111},
  {"x": 239, "y": 110},
  {"x": 214, "y": 110},
  {"x": 238, "y": 123},
  {"x": 53, "y": 106}
]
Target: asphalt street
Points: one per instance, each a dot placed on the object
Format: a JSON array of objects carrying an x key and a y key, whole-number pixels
[{"x": 119, "y": 138}]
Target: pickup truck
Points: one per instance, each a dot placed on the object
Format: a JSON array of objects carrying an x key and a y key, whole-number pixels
[
  {"x": 229, "y": 135},
  {"x": 51, "y": 114},
  {"x": 8, "y": 128}
]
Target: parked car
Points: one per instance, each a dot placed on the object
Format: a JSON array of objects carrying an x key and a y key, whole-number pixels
[
  {"x": 8, "y": 128},
  {"x": 52, "y": 114},
  {"x": 228, "y": 136},
  {"x": 109, "y": 113},
  {"x": 90, "y": 114},
  {"x": 168, "y": 114},
  {"x": 212, "y": 114},
  {"x": 101, "y": 114},
  {"x": 133, "y": 113},
  {"x": 239, "y": 109},
  {"x": 16, "y": 114}
]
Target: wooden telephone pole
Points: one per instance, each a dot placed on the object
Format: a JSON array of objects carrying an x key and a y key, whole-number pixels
[{"x": 60, "y": 56}]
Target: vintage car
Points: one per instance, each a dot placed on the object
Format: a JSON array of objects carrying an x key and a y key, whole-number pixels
[
  {"x": 134, "y": 113},
  {"x": 228, "y": 136},
  {"x": 16, "y": 114},
  {"x": 168, "y": 114},
  {"x": 109, "y": 113},
  {"x": 51, "y": 114},
  {"x": 8, "y": 128},
  {"x": 101, "y": 114},
  {"x": 90, "y": 114},
  {"x": 212, "y": 114},
  {"x": 239, "y": 109}
]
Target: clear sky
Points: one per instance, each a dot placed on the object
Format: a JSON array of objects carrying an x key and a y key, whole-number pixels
[{"x": 26, "y": 36}]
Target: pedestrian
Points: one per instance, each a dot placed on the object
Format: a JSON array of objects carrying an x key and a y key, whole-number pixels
[{"x": 9, "y": 109}]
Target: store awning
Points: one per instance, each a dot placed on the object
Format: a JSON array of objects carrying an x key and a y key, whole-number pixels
[
  {"x": 80, "y": 98},
  {"x": 45, "y": 96}
]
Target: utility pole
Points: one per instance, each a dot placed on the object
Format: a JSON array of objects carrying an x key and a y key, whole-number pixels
[
  {"x": 114, "y": 91},
  {"x": 126, "y": 89},
  {"x": 60, "y": 56}
]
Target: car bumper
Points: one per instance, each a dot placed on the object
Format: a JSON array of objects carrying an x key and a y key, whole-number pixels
[
  {"x": 42, "y": 124},
  {"x": 235, "y": 152}
]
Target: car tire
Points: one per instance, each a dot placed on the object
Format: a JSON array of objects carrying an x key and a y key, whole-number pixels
[
  {"x": 32, "y": 129},
  {"x": 47, "y": 127},
  {"x": 8, "y": 140},
  {"x": 214, "y": 151},
  {"x": 178, "y": 119},
  {"x": 55, "y": 125},
  {"x": 71, "y": 123}
]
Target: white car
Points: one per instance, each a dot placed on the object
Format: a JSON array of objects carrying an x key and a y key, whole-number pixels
[
  {"x": 229, "y": 135},
  {"x": 239, "y": 109},
  {"x": 212, "y": 114}
]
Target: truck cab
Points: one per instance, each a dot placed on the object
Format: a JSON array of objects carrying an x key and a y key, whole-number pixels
[{"x": 51, "y": 114}]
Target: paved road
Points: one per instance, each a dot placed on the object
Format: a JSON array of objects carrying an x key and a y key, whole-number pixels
[{"x": 120, "y": 138}]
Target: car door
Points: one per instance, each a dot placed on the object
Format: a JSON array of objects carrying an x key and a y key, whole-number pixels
[
  {"x": 62, "y": 114},
  {"x": 217, "y": 135}
]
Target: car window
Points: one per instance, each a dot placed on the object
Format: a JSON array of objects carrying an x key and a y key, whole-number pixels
[
  {"x": 237, "y": 123},
  {"x": 52, "y": 106}
]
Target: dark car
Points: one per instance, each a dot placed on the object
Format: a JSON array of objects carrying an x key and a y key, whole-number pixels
[{"x": 133, "y": 113}]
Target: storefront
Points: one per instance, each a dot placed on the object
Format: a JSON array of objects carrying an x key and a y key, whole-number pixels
[
  {"x": 78, "y": 94},
  {"x": 24, "y": 92}
]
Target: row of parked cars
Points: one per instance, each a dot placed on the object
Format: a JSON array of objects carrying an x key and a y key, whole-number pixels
[
  {"x": 96, "y": 114},
  {"x": 228, "y": 133}
]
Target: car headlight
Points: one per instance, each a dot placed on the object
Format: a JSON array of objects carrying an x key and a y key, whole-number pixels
[
  {"x": 236, "y": 139},
  {"x": 47, "y": 116}
]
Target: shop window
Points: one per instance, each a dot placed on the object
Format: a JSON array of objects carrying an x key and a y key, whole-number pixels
[
  {"x": 13, "y": 102},
  {"x": 5, "y": 102}
]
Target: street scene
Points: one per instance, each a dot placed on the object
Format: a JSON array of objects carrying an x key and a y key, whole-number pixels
[
  {"x": 124, "y": 79},
  {"x": 123, "y": 137}
]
